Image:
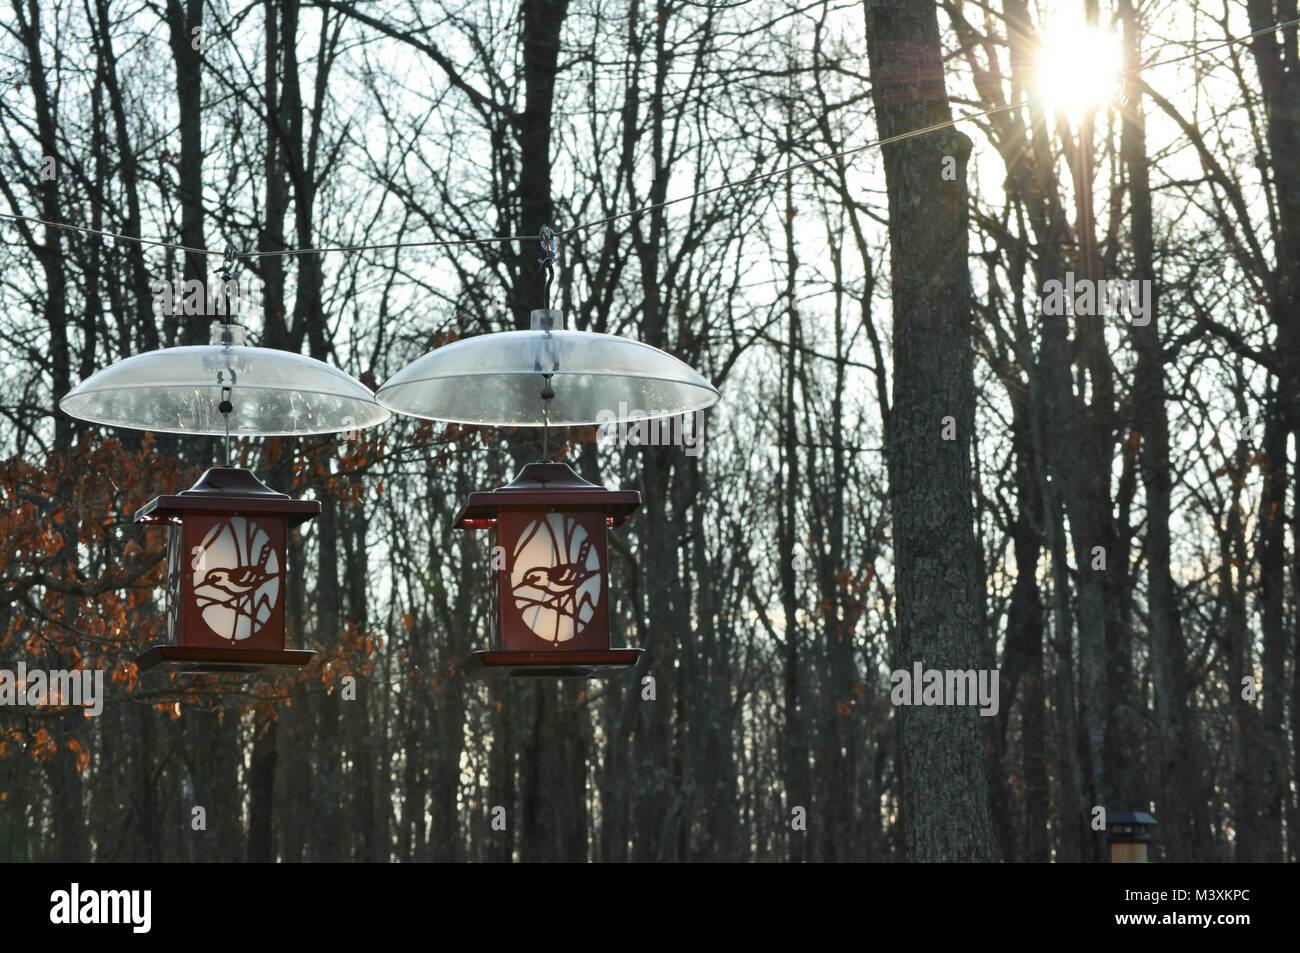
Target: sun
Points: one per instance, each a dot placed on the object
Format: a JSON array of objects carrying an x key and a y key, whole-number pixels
[{"x": 1078, "y": 69}]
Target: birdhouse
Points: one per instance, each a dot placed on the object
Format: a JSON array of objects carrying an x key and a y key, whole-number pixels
[
  {"x": 551, "y": 574},
  {"x": 1129, "y": 836},
  {"x": 226, "y": 574}
]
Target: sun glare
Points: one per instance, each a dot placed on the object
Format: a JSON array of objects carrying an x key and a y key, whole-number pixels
[{"x": 1078, "y": 69}]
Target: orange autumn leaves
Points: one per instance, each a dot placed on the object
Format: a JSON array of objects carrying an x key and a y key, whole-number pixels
[
  {"x": 81, "y": 586},
  {"x": 42, "y": 746},
  {"x": 77, "y": 587}
]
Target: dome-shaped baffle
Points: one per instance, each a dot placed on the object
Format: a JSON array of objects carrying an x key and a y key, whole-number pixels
[
  {"x": 495, "y": 380},
  {"x": 178, "y": 390}
]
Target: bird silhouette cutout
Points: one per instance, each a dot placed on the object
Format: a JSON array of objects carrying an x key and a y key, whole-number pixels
[
  {"x": 560, "y": 583},
  {"x": 240, "y": 586}
]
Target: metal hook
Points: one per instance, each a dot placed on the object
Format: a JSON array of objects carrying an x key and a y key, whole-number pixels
[
  {"x": 547, "y": 239},
  {"x": 227, "y": 269},
  {"x": 228, "y": 272}
]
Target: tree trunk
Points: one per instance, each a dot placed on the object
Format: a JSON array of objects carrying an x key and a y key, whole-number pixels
[
  {"x": 1183, "y": 802},
  {"x": 187, "y": 53},
  {"x": 945, "y": 799}
]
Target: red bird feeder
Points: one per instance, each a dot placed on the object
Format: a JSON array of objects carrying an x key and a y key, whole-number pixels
[
  {"x": 552, "y": 607},
  {"x": 225, "y": 575}
]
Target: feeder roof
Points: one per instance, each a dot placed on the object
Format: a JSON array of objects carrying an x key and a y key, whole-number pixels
[
  {"x": 545, "y": 485},
  {"x": 1130, "y": 817},
  {"x": 228, "y": 490}
]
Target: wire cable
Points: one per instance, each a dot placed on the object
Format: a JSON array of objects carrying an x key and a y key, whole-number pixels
[{"x": 760, "y": 177}]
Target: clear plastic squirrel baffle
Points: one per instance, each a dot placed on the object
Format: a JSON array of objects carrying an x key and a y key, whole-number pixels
[
  {"x": 492, "y": 379},
  {"x": 269, "y": 392}
]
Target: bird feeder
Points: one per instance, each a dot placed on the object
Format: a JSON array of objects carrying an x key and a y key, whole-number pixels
[
  {"x": 1128, "y": 836},
  {"x": 551, "y": 610},
  {"x": 226, "y": 574},
  {"x": 551, "y": 604}
]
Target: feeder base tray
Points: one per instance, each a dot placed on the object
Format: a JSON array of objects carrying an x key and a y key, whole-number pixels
[
  {"x": 201, "y": 661},
  {"x": 553, "y": 663}
]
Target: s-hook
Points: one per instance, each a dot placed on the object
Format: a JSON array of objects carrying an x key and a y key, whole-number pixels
[
  {"x": 228, "y": 271},
  {"x": 548, "y": 245},
  {"x": 230, "y": 263}
]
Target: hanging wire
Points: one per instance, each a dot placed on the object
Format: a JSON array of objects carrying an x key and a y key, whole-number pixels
[
  {"x": 1220, "y": 44},
  {"x": 225, "y": 408},
  {"x": 264, "y": 254},
  {"x": 96, "y": 231},
  {"x": 547, "y": 239},
  {"x": 875, "y": 144},
  {"x": 548, "y": 394},
  {"x": 228, "y": 272}
]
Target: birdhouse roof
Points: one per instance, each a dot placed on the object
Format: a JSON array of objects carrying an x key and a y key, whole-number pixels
[
  {"x": 228, "y": 490},
  {"x": 547, "y": 485},
  {"x": 1130, "y": 817}
]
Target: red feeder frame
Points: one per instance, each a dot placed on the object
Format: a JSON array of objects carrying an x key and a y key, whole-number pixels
[
  {"x": 552, "y": 607},
  {"x": 225, "y": 575}
]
